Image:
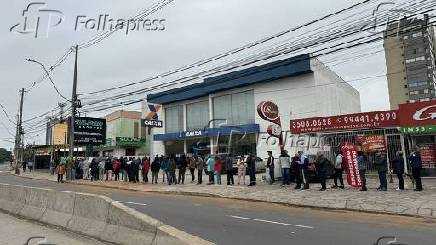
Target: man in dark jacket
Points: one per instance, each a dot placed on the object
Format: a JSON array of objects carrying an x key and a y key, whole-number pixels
[
  {"x": 381, "y": 165},
  {"x": 270, "y": 166},
  {"x": 108, "y": 168},
  {"x": 251, "y": 164},
  {"x": 228, "y": 164},
  {"x": 416, "y": 165},
  {"x": 321, "y": 167},
  {"x": 182, "y": 164},
  {"x": 398, "y": 169}
]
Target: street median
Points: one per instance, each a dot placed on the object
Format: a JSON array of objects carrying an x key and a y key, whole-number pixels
[{"x": 91, "y": 215}]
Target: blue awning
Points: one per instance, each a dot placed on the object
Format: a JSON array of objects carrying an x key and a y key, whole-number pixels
[{"x": 209, "y": 132}]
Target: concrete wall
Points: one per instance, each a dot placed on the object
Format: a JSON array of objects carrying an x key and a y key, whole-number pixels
[{"x": 91, "y": 215}]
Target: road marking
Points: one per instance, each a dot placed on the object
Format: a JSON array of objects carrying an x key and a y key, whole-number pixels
[
  {"x": 239, "y": 217},
  {"x": 272, "y": 222},
  {"x": 136, "y": 203},
  {"x": 304, "y": 226}
]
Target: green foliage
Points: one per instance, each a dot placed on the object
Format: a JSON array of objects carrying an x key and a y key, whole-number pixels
[{"x": 5, "y": 155}]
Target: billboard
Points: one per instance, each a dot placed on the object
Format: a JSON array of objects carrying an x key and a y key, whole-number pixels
[
  {"x": 418, "y": 114},
  {"x": 371, "y": 143},
  {"x": 89, "y": 131},
  {"x": 151, "y": 119}
]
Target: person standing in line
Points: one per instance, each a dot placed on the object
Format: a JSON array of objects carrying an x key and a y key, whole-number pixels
[
  {"x": 61, "y": 171},
  {"x": 251, "y": 164},
  {"x": 381, "y": 165},
  {"x": 145, "y": 169},
  {"x": 137, "y": 169},
  {"x": 242, "y": 168},
  {"x": 116, "y": 165},
  {"x": 218, "y": 169},
  {"x": 338, "y": 171},
  {"x": 285, "y": 163},
  {"x": 398, "y": 169},
  {"x": 228, "y": 164},
  {"x": 108, "y": 169},
  {"x": 155, "y": 167},
  {"x": 321, "y": 167},
  {"x": 416, "y": 165},
  {"x": 94, "y": 170},
  {"x": 164, "y": 167},
  {"x": 191, "y": 165},
  {"x": 172, "y": 171},
  {"x": 182, "y": 165},
  {"x": 24, "y": 165},
  {"x": 304, "y": 162},
  {"x": 199, "y": 163},
  {"x": 361, "y": 164},
  {"x": 100, "y": 171},
  {"x": 211, "y": 169},
  {"x": 296, "y": 169},
  {"x": 270, "y": 166},
  {"x": 123, "y": 169}
]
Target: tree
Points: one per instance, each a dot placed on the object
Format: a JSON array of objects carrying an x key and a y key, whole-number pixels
[{"x": 5, "y": 155}]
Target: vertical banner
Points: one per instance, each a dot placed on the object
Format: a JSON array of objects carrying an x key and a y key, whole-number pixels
[
  {"x": 269, "y": 111},
  {"x": 349, "y": 153},
  {"x": 428, "y": 155}
]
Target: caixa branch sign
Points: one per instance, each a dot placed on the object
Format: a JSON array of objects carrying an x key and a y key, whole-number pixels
[
  {"x": 151, "y": 123},
  {"x": 89, "y": 131}
]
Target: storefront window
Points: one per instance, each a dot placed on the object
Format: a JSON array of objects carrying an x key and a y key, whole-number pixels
[
  {"x": 174, "y": 119},
  {"x": 237, "y": 109},
  {"x": 197, "y": 115}
]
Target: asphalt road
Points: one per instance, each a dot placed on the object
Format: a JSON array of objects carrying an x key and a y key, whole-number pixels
[{"x": 225, "y": 221}]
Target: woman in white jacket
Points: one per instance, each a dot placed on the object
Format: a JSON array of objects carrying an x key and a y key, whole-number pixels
[
  {"x": 242, "y": 166},
  {"x": 285, "y": 163}
]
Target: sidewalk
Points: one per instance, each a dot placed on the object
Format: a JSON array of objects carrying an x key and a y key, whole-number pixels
[{"x": 422, "y": 204}]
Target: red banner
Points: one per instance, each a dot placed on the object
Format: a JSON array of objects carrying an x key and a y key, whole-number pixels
[
  {"x": 371, "y": 143},
  {"x": 418, "y": 114},
  {"x": 428, "y": 155},
  {"x": 375, "y": 119},
  {"x": 349, "y": 154}
]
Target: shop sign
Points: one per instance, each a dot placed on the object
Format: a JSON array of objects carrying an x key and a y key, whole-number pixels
[
  {"x": 371, "y": 143},
  {"x": 349, "y": 154},
  {"x": 418, "y": 114},
  {"x": 89, "y": 131},
  {"x": 428, "y": 155},
  {"x": 374, "y": 119},
  {"x": 269, "y": 111},
  {"x": 151, "y": 123},
  {"x": 127, "y": 141},
  {"x": 194, "y": 133},
  {"x": 419, "y": 129}
]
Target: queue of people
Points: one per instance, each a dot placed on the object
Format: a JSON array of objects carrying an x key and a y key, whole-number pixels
[{"x": 294, "y": 168}]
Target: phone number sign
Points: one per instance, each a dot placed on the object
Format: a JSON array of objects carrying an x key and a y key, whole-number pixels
[{"x": 375, "y": 119}]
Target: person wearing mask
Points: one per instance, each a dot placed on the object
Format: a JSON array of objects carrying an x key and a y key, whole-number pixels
[
  {"x": 381, "y": 165},
  {"x": 182, "y": 165},
  {"x": 285, "y": 164},
  {"x": 116, "y": 166},
  {"x": 242, "y": 168},
  {"x": 321, "y": 168},
  {"x": 416, "y": 165},
  {"x": 172, "y": 171},
  {"x": 338, "y": 171},
  {"x": 145, "y": 170},
  {"x": 228, "y": 164},
  {"x": 398, "y": 169},
  {"x": 61, "y": 171},
  {"x": 218, "y": 169},
  {"x": 155, "y": 167},
  {"x": 211, "y": 169},
  {"x": 361, "y": 165},
  {"x": 164, "y": 167},
  {"x": 270, "y": 166},
  {"x": 251, "y": 165},
  {"x": 199, "y": 164},
  {"x": 191, "y": 165},
  {"x": 108, "y": 169},
  {"x": 94, "y": 170}
]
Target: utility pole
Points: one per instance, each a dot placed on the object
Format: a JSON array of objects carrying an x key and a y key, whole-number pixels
[
  {"x": 72, "y": 119},
  {"x": 19, "y": 132}
]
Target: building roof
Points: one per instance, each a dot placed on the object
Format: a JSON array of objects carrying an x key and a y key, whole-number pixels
[
  {"x": 123, "y": 114},
  {"x": 264, "y": 73}
]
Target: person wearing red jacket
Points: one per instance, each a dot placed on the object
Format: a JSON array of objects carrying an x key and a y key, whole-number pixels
[
  {"x": 145, "y": 169},
  {"x": 218, "y": 169},
  {"x": 116, "y": 166}
]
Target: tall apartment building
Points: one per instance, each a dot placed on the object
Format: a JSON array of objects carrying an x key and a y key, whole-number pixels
[{"x": 410, "y": 58}]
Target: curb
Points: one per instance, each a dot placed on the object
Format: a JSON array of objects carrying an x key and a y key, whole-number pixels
[{"x": 209, "y": 195}]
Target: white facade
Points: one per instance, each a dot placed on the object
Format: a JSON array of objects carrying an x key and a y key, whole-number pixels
[{"x": 321, "y": 93}]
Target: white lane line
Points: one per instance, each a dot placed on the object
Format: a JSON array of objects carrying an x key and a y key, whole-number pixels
[
  {"x": 239, "y": 217},
  {"x": 271, "y": 222},
  {"x": 304, "y": 226},
  {"x": 136, "y": 203}
]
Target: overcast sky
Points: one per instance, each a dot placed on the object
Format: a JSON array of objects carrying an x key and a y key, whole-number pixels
[{"x": 194, "y": 29}]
